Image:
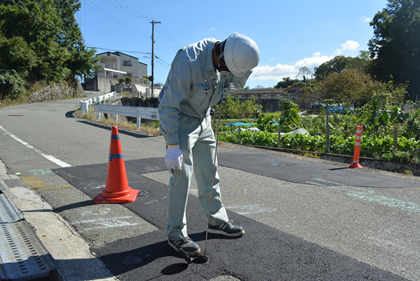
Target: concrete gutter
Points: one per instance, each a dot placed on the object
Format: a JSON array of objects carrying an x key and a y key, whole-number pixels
[{"x": 67, "y": 247}]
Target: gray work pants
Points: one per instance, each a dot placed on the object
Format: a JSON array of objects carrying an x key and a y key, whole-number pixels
[{"x": 198, "y": 146}]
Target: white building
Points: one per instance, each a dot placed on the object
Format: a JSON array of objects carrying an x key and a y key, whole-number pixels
[{"x": 116, "y": 64}]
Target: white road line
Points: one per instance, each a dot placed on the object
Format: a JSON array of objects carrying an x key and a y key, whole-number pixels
[
  {"x": 48, "y": 157},
  {"x": 252, "y": 209},
  {"x": 106, "y": 223},
  {"x": 370, "y": 195},
  {"x": 336, "y": 183},
  {"x": 314, "y": 183}
]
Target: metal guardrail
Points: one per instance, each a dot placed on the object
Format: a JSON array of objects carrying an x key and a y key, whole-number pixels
[
  {"x": 84, "y": 105},
  {"x": 22, "y": 254},
  {"x": 130, "y": 111}
]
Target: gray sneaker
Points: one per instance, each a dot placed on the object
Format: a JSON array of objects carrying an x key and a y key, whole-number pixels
[
  {"x": 186, "y": 244},
  {"x": 227, "y": 229}
]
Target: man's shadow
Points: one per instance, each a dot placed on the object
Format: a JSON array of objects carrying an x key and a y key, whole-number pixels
[{"x": 156, "y": 258}]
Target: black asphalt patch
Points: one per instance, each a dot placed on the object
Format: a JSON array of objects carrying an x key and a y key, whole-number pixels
[
  {"x": 263, "y": 253},
  {"x": 302, "y": 171}
]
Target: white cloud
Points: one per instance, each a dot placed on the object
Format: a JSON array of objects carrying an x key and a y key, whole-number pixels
[
  {"x": 280, "y": 71},
  {"x": 349, "y": 45},
  {"x": 213, "y": 29},
  {"x": 366, "y": 19},
  {"x": 316, "y": 55},
  {"x": 316, "y": 60},
  {"x": 272, "y": 59}
]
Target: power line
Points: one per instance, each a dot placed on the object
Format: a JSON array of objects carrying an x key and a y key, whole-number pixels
[
  {"x": 171, "y": 39},
  {"x": 171, "y": 46},
  {"x": 163, "y": 64},
  {"x": 111, "y": 17},
  {"x": 142, "y": 16},
  {"x": 148, "y": 53},
  {"x": 61, "y": 31},
  {"x": 162, "y": 60},
  {"x": 122, "y": 7}
]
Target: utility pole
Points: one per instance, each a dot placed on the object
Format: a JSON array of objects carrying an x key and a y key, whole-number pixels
[
  {"x": 153, "y": 54},
  {"x": 132, "y": 82}
]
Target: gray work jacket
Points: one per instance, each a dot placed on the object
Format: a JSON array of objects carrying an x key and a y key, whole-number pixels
[{"x": 192, "y": 87}]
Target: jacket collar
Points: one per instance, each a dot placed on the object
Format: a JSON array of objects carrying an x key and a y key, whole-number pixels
[{"x": 209, "y": 57}]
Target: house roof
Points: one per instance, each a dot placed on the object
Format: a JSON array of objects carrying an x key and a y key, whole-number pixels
[{"x": 117, "y": 54}]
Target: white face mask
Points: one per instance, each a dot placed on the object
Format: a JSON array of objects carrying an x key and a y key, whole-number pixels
[{"x": 224, "y": 73}]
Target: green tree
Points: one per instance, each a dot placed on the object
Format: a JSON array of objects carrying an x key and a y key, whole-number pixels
[
  {"x": 82, "y": 61},
  {"x": 286, "y": 82},
  {"x": 355, "y": 84},
  {"x": 340, "y": 63},
  {"x": 305, "y": 73},
  {"x": 45, "y": 36},
  {"x": 395, "y": 45},
  {"x": 16, "y": 61},
  {"x": 234, "y": 108}
]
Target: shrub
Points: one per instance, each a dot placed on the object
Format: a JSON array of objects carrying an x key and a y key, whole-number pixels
[{"x": 11, "y": 84}]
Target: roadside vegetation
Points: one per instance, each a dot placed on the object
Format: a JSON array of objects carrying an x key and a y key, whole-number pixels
[
  {"x": 150, "y": 128},
  {"x": 379, "y": 127}
]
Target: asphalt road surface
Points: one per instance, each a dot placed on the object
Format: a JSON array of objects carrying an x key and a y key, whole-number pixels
[{"x": 305, "y": 219}]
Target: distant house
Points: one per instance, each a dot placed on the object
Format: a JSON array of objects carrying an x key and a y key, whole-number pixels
[
  {"x": 158, "y": 86},
  {"x": 269, "y": 98},
  {"x": 294, "y": 92},
  {"x": 116, "y": 65},
  {"x": 260, "y": 94}
]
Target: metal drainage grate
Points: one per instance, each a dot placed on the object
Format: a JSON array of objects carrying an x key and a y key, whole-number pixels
[
  {"x": 8, "y": 211},
  {"x": 279, "y": 165},
  {"x": 22, "y": 255}
]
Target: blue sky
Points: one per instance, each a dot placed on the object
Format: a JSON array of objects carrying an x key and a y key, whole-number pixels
[{"x": 289, "y": 34}]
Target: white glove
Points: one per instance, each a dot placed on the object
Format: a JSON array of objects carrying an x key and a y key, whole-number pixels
[{"x": 173, "y": 157}]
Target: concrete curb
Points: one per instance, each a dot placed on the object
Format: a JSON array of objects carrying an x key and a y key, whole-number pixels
[
  {"x": 379, "y": 164},
  {"x": 67, "y": 247}
]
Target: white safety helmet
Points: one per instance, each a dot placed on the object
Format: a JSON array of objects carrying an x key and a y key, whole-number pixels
[{"x": 240, "y": 54}]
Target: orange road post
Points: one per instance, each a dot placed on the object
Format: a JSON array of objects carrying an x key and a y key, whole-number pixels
[{"x": 356, "y": 163}]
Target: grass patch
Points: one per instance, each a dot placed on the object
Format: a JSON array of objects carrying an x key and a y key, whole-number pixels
[
  {"x": 129, "y": 95},
  {"x": 33, "y": 87},
  {"x": 11, "y": 102},
  {"x": 151, "y": 129}
]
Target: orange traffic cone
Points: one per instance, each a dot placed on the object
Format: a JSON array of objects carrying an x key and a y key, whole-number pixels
[
  {"x": 116, "y": 188},
  {"x": 356, "y": 163}
]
